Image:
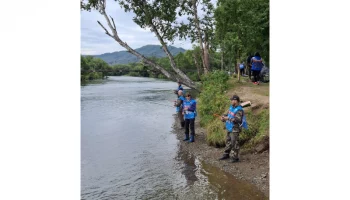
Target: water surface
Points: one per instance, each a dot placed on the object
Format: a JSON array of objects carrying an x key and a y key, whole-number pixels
[{"x": 129, "y": 152}]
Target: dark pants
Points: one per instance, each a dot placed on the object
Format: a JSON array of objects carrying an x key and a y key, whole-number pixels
[
  {"x": 249, "y": 71},
  {"x": 189, "y": 124},
  {"x": 181, "y": 118},
  {"x": 242, "y": 71},
  {"x": 256, "y": 75}
]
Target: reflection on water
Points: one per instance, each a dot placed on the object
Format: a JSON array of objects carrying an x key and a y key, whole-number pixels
[{"x": 128, "y": 150}]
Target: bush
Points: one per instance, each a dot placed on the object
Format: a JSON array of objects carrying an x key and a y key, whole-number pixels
[
  {"x": 161, "y": 76},
  {"x": 213, "y": 100},
  {"x": 133, "y": 74},
  {"x": 193, "y": 76},
  {"x": 216, "y": 133},
  {"x": 258, "y": 127}
]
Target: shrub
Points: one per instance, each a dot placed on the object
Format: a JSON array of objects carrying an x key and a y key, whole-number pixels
[
  {"x": 217, "y": 136},
  {"x": 133, "y": 74},
  {"x": 213, "y": 100},
  {"x": 258, "y": 127}
]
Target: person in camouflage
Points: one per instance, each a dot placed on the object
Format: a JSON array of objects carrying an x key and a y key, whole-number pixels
[{"x": 233, "y": 119}]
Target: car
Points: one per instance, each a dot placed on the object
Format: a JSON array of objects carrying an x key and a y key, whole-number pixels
[{"x": 265, "y": 74}]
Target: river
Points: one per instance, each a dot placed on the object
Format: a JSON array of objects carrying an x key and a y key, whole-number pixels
[{"x": 128, "y": 150}]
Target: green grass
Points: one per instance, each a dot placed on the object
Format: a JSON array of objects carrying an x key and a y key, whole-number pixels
[
  {"x": 258, "y": 128},
  {"x": 213, "y": 100},
  {"x": 216, "y": 133}
]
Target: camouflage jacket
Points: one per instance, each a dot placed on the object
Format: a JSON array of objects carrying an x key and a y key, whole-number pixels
[{"x": 179, "y": 103}]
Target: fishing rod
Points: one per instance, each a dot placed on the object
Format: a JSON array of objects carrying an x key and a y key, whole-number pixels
[{"x": 216, "y": 115}]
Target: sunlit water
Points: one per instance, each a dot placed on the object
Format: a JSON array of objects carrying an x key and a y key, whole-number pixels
[{"x": 128, "y": 150}]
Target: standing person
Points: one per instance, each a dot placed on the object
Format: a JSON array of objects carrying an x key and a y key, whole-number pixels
[
  {"x": 241, "y": 68},
  {"x": 234, "y": 121},
  {"x": 256, "y": 67},
  {"x": 249, "y": 66},
  {"x": 178, "y": 88},
  {"x": 189, "y": 110},
  {"x": 179, "y": 108}
]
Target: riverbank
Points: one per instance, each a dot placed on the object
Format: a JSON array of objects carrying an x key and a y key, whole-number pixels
[{"x": 254, "y": 157}]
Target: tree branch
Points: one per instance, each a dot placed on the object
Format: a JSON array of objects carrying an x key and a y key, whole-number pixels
[
  {"x": 104, "y": 29},
  {"x": 113, "y": 22}
]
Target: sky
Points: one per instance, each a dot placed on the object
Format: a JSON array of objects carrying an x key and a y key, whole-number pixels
[{"x": 94, "y": 41}]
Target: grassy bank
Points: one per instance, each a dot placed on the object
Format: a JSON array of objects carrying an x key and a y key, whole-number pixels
[{"x": 214, "y": 99}]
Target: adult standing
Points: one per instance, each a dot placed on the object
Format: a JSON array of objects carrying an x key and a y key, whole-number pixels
[
  {"x": 179, "y": 108},
  {"x": 179, "y": 88},
  {"x": 234, "y": 119},
  {"x": 241, "y": 68},
  {"x": 189, "y": 111},
  {"x": 256, "y": 67}
]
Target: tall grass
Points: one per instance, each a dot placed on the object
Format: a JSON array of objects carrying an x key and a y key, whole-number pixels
[
  {"x": 213, "y": 100},
  {"x": 258, "y": 128}
]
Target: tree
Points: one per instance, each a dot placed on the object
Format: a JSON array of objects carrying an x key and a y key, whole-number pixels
[
  {"x": 199, "y": 29},
  {"x": 159, "y": 16},
  {"x": 242, "y": 27}
]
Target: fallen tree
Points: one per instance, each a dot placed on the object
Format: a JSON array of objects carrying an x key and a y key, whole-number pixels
[{"x": 154, "y": 17}]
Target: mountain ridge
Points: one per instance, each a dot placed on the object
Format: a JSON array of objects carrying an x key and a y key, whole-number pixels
[{"x": 124, "y": 57}]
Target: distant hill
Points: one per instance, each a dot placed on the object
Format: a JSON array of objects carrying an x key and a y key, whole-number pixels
[{"x": 124, "y": 57}]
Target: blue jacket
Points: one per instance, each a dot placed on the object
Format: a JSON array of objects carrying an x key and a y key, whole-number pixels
[
  {"x": 191, "y": 112},
  {"x": 231, "y": 114},
  {"x": 256, "y": 66}
]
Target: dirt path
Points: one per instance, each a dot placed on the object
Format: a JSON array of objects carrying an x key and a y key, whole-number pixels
[
  {"x": 257, "y": 94},
  {"x": 253, "y": 168}
]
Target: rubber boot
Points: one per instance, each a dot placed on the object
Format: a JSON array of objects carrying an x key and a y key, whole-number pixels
[
  {"x": 186, "y": 137},
  {"x": 191, "y": 138}
]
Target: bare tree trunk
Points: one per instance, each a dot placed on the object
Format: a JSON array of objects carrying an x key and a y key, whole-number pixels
[
  {"x": 197, "y": 65},
  {"x": 199, "y": 35},
  {"x": 206, "y": 51},
  {"x": 186, "y": 81},
  {"x": 185, "y": 78}
]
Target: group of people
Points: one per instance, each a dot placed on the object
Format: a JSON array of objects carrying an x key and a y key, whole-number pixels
[
  {"x": 186, "y": 108},
  {"x": 234, "y": 120},
  {"x": 254, "y": 66}
]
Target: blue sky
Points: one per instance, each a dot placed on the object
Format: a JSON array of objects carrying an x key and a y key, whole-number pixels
[{"x": 95, "y": 41}]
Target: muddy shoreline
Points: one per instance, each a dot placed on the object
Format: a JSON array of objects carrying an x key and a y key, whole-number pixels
[{"x": 252, "y": 168}]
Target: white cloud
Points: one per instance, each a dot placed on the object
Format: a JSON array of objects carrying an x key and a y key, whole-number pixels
[{"x": 95, "y": 41}]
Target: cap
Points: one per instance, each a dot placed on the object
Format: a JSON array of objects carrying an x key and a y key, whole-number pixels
[{"x": 235, "y": 97}]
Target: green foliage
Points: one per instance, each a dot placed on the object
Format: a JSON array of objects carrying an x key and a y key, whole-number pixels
[
  {"x": 258, "y": 127},
  {"x": 133, "y": 74},
  {"x": 216, "y": 133},
  {"x": 159, "y": 15},
  {"x": 216, "y": 80},
  {"x": 92, "y": 68},
  {"x": 161, "y": 76},
  {"x": 213, "y": 100},
  {"x": 242, "y": 27}
]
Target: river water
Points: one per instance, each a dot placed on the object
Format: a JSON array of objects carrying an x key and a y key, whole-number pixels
[{"x": 128, "y": 150}]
